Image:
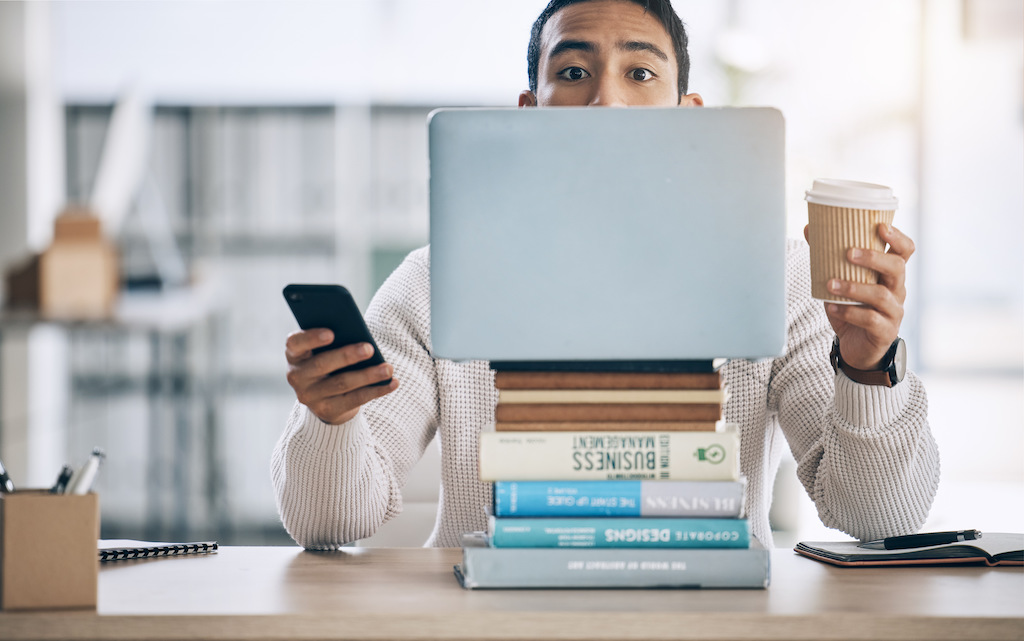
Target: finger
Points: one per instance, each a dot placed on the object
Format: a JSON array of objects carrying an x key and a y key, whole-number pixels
[
  {"x": 341, "y": 408},
  {"x": 300, "y": 345},
  {"x": 879, "y": 329},
  {"x": 313, "y": 391},
  {"x": 364, "y": 395},
  {"x": 332, "y": 360},
  {"x": 877, "y": 297},
  {"x": 807, "y": 233},
  {"x": 899, "y": 243},
  {"x": 348, "y": 382},
  {"x": 892, "y": 268},
  {"x": 304, "y": 373}
]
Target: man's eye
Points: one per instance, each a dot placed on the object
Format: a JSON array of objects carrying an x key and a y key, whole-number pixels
[
  {"x": 573, "y": 73},
  {"x": 642, "y": 75}
]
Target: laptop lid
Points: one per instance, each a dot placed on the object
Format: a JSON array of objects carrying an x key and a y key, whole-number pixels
[{"x": 564, "y": 234}]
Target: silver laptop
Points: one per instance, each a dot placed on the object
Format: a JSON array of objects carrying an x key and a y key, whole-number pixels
[{"x": 574, "y": 234}]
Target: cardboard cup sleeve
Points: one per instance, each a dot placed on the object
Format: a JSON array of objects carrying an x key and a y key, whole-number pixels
[{"x": 833, "y": 232}]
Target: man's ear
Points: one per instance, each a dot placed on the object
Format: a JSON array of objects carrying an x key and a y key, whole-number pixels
[
  {"x": 691, "y": 100},
  {"x": 527, "y": 99}
]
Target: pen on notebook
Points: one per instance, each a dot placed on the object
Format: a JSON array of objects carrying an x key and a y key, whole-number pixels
[
  {"x": 6, "y": 484},
  {"x": 922, "y": 540},
  {"x": 62, "y": 480},
  {"x": 82, "y": 480}
]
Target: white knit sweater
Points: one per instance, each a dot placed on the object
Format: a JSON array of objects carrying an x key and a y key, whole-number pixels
[{"x": 865, "y": 454}]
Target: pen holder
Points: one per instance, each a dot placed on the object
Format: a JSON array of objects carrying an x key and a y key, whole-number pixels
[{"x": 48, "y": 553}]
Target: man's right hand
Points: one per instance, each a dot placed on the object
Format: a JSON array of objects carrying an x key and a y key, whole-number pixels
[{"x": 334, "y": 399}]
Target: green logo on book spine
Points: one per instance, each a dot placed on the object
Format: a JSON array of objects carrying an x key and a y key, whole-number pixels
[{"x": 713, "y": 454}]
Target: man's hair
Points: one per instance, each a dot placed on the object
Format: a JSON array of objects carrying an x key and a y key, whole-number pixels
[{"x": 662, "y": 10}]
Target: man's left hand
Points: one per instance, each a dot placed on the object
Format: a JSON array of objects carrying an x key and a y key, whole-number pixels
[{"x": 867, "y": 331}]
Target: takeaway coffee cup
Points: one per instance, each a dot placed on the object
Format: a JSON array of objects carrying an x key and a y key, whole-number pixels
[{"x": 844, "y": 214}]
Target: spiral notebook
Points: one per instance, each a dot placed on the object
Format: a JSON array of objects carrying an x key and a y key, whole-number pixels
[{"x": 123, "y": 549}]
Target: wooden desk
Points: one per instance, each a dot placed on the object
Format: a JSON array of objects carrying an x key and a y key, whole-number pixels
[{"x": 380, "y": 593}]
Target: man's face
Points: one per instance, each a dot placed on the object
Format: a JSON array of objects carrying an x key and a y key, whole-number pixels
[{"x": 605, "y": 53}]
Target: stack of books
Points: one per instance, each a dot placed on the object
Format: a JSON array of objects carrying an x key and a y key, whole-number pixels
[{"x": 612, "y": 480}]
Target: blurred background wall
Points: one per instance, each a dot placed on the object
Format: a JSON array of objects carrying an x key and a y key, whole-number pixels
[{"x": 285, "y": 141}]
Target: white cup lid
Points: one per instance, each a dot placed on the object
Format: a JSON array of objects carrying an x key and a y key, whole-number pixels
[{"x": 850, "y": 193}]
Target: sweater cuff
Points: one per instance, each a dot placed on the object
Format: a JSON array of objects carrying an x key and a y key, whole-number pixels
[
  {"x": 871, "y": 406},
  {"x": 325, "y": 437}
]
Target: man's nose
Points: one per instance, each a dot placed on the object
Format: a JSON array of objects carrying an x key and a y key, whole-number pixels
[{"x": 608, "y": 92}]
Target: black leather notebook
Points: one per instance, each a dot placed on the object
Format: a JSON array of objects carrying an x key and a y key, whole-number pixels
[{"x": 992, "y": 549}]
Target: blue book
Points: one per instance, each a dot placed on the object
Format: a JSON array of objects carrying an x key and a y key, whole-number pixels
[
  {"x": 484, "y": 566},
  {"x": 693, "y": 499},
  {"x": 613, "y": 532}
]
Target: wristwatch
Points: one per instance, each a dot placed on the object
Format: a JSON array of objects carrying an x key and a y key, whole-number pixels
[{"x": 891, "y": 371}]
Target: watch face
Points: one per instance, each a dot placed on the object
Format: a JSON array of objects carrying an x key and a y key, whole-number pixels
[{"x": 899, "y": 360}]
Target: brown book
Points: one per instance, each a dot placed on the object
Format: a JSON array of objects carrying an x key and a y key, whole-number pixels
[
  {"x": 558, "y": 412},
  {"x": 607, "y": 380},
  {"x": 608, "y": 426},
  {"x": 612, "y": 396}
]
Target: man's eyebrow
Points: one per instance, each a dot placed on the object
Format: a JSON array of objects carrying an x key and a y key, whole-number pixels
[
  {"x": 590, "y": 47},
  {"x": 639, "y": 45},
  {"x": 572, "y": 45}
]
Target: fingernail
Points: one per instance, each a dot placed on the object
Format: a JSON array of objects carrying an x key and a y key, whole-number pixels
[
  {"x": 365, "y": 349},
  {"x": 833, "y": 308},
  {"x": 326, "y": 335},
  {"x": 856, "y": 253},
  {"x": 833, "y": 285}
]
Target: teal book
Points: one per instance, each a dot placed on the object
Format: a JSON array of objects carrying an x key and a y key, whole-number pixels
[
  {"x": 613, "y": 532},
  {"x": 484, "y": 566}
]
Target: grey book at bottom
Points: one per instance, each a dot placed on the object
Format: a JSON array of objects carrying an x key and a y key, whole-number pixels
[{"x": 485, "y": 567}]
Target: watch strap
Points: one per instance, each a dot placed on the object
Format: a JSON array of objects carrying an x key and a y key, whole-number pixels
[{"x": 881, "y": 377}]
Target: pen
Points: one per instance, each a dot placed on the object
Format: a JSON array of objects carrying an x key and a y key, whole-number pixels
[
  {"x": 6, "y": 484},
  {"x": 62, "y": 480},
  {"x": 81, "y": 481},
  {"x": 921, "y": 540}
]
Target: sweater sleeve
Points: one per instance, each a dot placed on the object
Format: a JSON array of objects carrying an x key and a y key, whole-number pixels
[
  {"x": 865, "y": 454},
  {"x": 335, "y": 484}
]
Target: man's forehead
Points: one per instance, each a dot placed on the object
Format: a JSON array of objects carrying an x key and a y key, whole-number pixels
[{"x": 619, "y": 23}]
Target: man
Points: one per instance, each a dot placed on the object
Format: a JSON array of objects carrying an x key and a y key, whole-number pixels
[{"x": 865, "y": 452}]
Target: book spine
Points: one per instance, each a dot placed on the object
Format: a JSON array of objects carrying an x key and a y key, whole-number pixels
[
  {"x": 592, "y": 456},
  {"x": 616, "y": 366},
  {"x": 486, "y": 567},
  {"x": 608, "y": 426},
  {"x": 606, "y": 380},
  {"x": 542, "y": 412},
  {"x": 613, "y": 532},
  {"x": 612, "y": 396},
  {"x": 694, "y": 499}
]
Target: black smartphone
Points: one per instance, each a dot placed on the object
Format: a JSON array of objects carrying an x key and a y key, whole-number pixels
[{"x": 332, "y": 307}]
